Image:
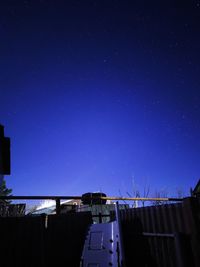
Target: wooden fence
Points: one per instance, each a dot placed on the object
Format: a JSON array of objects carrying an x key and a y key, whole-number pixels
[
  {"x": 56, "y": 240},
  {"x": 164, "y": 235}
]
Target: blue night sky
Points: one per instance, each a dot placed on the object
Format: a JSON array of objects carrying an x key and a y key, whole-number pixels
[{"x": 95, "y": 94}]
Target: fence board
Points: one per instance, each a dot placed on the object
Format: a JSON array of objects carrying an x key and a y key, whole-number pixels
[
  {"x": 180, "y": 219},
  {"x": 29, "y": 242},
  {"x": 21, "y": 241},
  {"x": 65, "y": 239}
]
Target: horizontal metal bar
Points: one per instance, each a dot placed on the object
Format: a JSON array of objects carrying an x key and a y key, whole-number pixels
[
  {"x": 102, "y": 215},
  {"x": 80, "y": 197},
  {"x": 158, "y": 235},
  {"x": 39, "y": 197},
  {"x": 143, "y": 198}
]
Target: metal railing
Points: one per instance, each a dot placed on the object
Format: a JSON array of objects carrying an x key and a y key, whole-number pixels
[{"x": 59, "y": 198}]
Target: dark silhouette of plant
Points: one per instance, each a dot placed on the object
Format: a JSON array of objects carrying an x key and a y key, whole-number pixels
[
  {"x": 4, "y": 191},
  {"x": 136, "y": 193}
]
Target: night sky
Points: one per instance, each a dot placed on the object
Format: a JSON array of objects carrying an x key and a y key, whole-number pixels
[{"x": 96, "y": 94}]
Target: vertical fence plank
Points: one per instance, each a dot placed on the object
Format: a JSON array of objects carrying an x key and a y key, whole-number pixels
[{"x": 191, "y": 214}]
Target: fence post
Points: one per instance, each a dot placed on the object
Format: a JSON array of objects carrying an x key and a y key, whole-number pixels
[
  {"x": 57, "y": 206},
  {"x": 100, "y": 217},
  {"x": 191, "y": 212}
]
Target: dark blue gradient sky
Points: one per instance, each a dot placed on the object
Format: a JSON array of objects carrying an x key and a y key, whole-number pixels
[{"x": 96, "y": 93}]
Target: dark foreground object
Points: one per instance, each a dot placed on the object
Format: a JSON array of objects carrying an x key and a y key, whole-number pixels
[
  {"x": 33, "y": 241},
  {"x": 93, "y": 199},
  {"x": 158, "y": 236}
]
